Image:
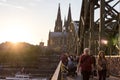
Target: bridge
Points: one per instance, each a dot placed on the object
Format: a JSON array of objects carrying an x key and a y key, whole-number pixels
[
  {"x": 59, "y": 75},
  {"x": 92, "y": 31}
]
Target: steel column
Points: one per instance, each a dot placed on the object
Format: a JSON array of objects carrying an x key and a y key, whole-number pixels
[{"x": 102, "y": 22}]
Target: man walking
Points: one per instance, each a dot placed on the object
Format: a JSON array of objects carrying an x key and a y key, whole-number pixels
[{"x": 85, "y": 64}]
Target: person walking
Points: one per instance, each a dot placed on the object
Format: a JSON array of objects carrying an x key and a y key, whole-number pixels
[
  {"x": 85, "y": 64},
  {"x": 102, "y": 65},
  {"x": 64, "y": 59},
  {"x": 94, "y": 69}
]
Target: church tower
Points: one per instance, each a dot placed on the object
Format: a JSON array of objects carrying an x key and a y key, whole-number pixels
[
  {"x": 58, "y": 22},
  {"x": 69, "y": 18},
  {"x": 64, "y": 27}
]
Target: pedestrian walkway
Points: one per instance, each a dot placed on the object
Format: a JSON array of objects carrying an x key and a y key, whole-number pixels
[{"x": 95, "y": 78}]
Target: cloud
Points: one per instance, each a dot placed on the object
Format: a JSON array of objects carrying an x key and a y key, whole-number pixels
[
  {"x": 3, "y": 0},
  {"x": 5, "y": 4},
  {"x": 21, "y": 4}
]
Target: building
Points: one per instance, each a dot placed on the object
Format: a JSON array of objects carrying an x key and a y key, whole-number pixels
[{"x": 64, "y": 37}]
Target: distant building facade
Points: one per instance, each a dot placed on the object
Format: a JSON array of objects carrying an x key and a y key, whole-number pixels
[
  {"x": 41, "y": 44},
  {"x": 65, "y": 36}
]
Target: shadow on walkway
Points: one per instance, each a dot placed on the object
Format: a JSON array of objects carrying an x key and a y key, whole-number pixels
[{"x": 94, "y": 78}]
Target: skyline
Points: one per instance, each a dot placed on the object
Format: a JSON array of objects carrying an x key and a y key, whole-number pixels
[{"x": 31, "y": 20}]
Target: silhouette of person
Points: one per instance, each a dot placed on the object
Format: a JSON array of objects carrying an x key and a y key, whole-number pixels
[{"x": 85, "y": 64}]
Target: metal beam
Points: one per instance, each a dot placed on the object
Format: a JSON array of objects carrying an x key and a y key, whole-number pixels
[
  {"x": 91, "y": 24},
  {"x": 102, "y": 22}
]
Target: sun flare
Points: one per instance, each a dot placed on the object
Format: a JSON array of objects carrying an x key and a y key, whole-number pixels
[{"x": 16, "y": 34}]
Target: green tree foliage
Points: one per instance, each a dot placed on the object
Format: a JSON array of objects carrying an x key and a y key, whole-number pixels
[
  {"x": 113, "y": 43},
  {"x": 19, "y": 54},
  {"x": 22, "y": 54}
]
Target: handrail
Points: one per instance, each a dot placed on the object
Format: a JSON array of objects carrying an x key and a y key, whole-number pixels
[{"x": 57, "y": 71}]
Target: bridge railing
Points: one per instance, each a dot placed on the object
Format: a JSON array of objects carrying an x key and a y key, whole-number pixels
[{"x": 57, "y": 73}]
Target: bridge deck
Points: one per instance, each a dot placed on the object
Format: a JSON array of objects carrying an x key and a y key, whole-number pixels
[{"x": 95, "y": 78}]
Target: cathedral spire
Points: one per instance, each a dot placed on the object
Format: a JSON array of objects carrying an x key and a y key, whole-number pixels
[
  {"x": 58, "y": 23},
  {"x": 59, "y": 12},
  {"x": 69, "y": 18}
]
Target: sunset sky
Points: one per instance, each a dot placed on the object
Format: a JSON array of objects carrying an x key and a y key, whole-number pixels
[{"x": 31, "y": 20}]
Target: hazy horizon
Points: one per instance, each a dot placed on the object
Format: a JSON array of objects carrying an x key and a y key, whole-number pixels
[{"x": 31, "y": 20}]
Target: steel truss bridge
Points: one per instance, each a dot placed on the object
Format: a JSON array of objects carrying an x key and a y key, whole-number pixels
[{"x": 99, "y": 20}]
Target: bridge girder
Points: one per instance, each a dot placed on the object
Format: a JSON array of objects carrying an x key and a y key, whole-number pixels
[{"x": 91, "y": 31}]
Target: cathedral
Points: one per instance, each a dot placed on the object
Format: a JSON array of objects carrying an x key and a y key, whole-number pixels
[{"x": 65, "y": 36}]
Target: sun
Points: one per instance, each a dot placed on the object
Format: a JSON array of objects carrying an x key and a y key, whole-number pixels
[{"x": 16, "y": 34}]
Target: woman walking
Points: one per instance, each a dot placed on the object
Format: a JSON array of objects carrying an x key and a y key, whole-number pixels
[{"x": 102, "y": 65}]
